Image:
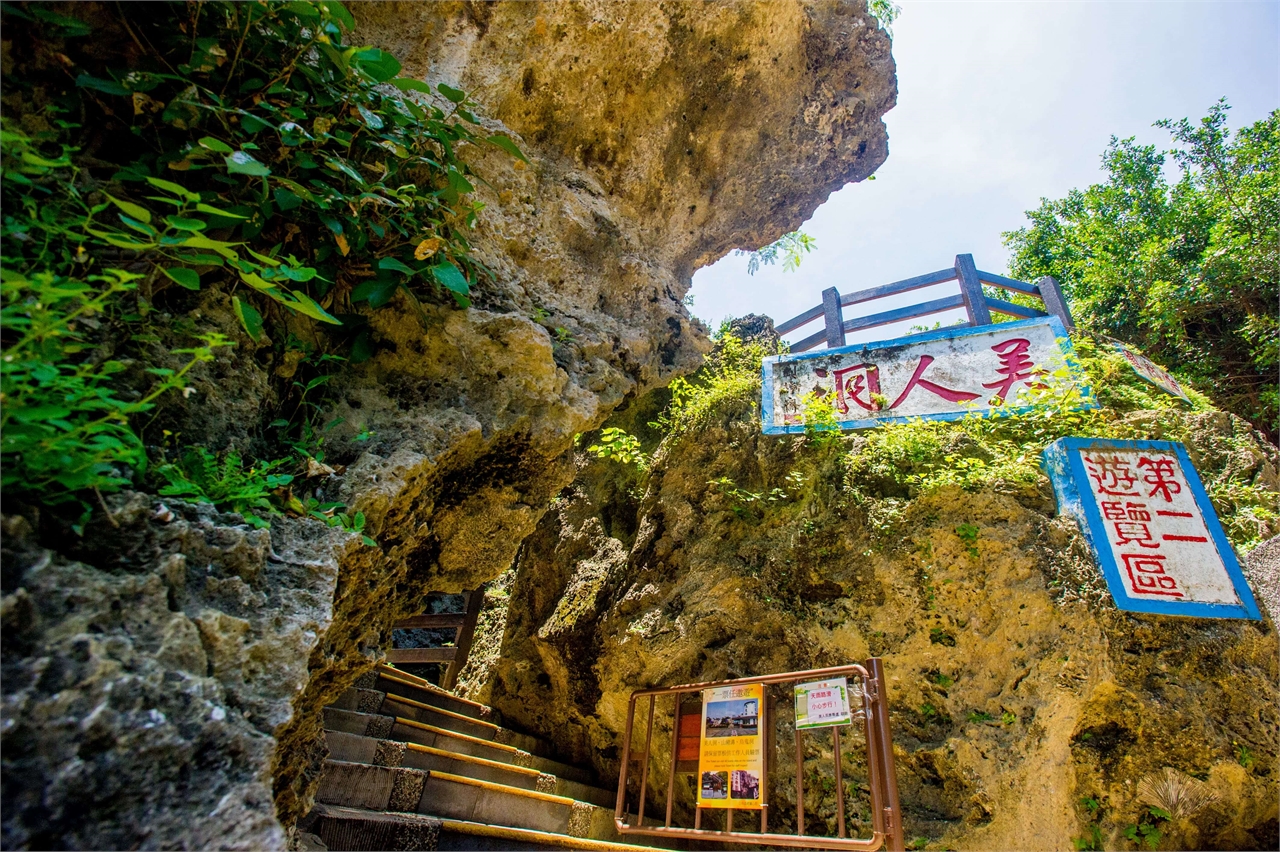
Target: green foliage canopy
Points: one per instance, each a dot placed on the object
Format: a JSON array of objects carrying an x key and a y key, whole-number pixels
[{"x": 1186, "y": 271}]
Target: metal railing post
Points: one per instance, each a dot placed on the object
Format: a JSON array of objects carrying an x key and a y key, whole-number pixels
[
  {"x": 835, "y": 746},
  {"x": 766, "y": 741},
  {"x": 1054, "y": 301},
  {"x": 875, "y": 752},
  {"x": 644, "y": 770},
  {"x": 894, "y": 841},
  {"x": 975, "y": 304},
  {"x": 799, "y": 782},
  {"x": 834, "y": 317},
  {"x": 620, "y": 808},
  {"x": 675, "y": 754}
]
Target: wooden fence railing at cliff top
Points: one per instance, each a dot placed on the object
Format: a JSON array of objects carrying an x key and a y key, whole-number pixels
[{"x": 976, "y": 303}]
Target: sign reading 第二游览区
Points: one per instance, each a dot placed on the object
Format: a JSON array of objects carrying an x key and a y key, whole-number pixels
[
  {"x": 1152, "y": 372},
  {"x": 822, "y": 703},
  {"x": 937, "y": 375},
  {"x": 1151, "y": 527},
  {"x": 731, "y": 751}
]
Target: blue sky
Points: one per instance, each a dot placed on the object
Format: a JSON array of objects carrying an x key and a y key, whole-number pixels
[{"x": 1000, "y": 104}]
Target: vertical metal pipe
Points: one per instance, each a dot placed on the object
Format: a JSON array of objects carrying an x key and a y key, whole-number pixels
[
  {"x": 644, "y": 770},
  {"x": 697, "y": 817},
  {"x": 799, "y": 782},
  {"x": 675, "y": 752},
  {"x": 894, "y": 840},
  {"x": 835, "y": 742},
  {"x": 766, "y": 742},
  {"x": 875, "y": 773},
  {"x": 619, "y": 810}
]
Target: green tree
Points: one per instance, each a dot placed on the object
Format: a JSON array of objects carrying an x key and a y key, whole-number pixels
[
  {"x": 1186, "y": 271},
  {"x": 791, "y": 248}
]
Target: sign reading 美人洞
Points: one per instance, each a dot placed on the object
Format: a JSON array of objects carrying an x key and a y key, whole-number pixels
[
  {"x": 731, "y": 752},
  {"x": 938, "y": 375},
  {"x": 1150, "y": 525},
  {"x": 1152, "y": 372},
  {"x": 822, "y": 703}
]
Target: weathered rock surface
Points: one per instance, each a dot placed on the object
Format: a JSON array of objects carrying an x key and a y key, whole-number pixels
[
  {"x": 145, "y": 671},
  {"x": 659, "y": 137},
  {"x": 1017, "y": 689}
]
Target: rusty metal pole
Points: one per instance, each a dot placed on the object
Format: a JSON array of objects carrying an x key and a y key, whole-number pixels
[
  {"x": 620, "y": 809},
  {"x": 875, "y": 770},
  {"x": 835, "y": 743},
  {"x": 766, "y": 740},
  {"x": 644, "y": 770},
  {"x": 799, "y": 783},
  {"x": 894, "y": 840},
  {"x": 675, "y": 753}
]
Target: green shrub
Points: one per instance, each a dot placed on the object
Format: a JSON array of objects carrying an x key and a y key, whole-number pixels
[
  {"x": 64, "y": 424},
  {"x": 244, "y": 146},
  {"x": 200, "y": 477}
]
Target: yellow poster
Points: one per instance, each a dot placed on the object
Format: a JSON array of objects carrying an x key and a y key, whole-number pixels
[{"x": 731, "y": 749}]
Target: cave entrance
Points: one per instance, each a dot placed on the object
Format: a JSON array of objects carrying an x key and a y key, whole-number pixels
[{"x": 434, "y": 644}]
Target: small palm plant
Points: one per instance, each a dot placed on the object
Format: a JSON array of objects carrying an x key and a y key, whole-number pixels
[{"x": 1176, "y": 793}]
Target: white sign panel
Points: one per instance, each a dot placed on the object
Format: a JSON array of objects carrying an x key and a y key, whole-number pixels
[
  {"x": 822, "y": 703},
  {"x": 939, "y": 375},
  {"x": 1151, "y": 526}
]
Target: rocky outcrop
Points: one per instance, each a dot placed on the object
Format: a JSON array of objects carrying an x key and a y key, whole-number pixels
[
  {"x": 1017, "y": 690},
  {"x": 145, "y": 670},
  {"x": 659, "y": 136}
]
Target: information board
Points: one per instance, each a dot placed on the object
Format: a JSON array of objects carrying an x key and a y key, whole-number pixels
[
  {"x": 937, "y": 375},
  {"x": 731, "y": 752},
  {"x": 1150, "y": 525},
  {"x": 822, "y": 703}
]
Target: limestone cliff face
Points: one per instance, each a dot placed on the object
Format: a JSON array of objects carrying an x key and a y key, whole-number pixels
[
  {"x": 1016, "y": 687},
  {"x": 660, "y": 136}
]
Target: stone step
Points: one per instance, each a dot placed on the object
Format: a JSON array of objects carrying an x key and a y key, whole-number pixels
[
  {"x": 410, "y": 731},
  {"x": 390, "y": 679},
  {"x": 449, "y": 796},
  {"x": 355, "y": 829},
  {"x": 394, "y": 704},
  {"x": 354, "y": 748}
]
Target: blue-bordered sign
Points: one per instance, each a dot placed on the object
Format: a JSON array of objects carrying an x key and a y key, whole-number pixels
[
  {"x": 937, "y": 375},
  {"x": 1150, "y": 525}
]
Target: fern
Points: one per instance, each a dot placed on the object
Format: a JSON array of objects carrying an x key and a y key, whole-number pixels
[{"x": 199, "y": 476}]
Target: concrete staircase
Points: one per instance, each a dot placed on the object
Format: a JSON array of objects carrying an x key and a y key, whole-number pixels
[{"x": 414, "y": 767}]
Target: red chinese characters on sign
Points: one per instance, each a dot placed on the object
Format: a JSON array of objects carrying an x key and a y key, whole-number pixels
[
  {"x": 917, "y": 380},
  {"x": 1015, "y": 366},
  {"x": 1111, "y": 475},
  {"x": 1144, "y": 527},
  {"x": 1160, "y": 477},
  {"x": 859, "y": 386}
]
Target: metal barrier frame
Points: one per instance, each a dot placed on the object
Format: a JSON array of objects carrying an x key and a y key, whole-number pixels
[{"x": 886, "y": 812}]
